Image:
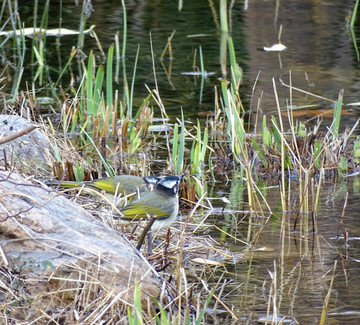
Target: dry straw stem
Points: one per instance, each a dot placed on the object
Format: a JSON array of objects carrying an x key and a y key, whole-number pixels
[{"x": 306, "y": 92}]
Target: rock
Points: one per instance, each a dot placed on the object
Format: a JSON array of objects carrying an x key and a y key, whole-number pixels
[
  {"x": 64, "y": 259},
  {"x": 31, "y": 149}
]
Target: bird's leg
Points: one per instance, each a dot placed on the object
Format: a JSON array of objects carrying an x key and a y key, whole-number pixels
[
  {"x": 149, "y": 236},
  {"x": 147, "y": 229}
]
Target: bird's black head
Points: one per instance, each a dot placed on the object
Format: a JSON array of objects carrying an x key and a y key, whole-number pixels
[{"x": 169, "y": 184}]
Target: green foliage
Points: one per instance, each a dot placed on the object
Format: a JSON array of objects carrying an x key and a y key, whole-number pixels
[
  {"x": 354, "y": 13},
  {"x": 266, "y": 135},
  {"x": 236, "y": 72},
  {"x": 316, "y": 153},
  {"x": 198, "y": 151},
  {"x": 135, "y": 314},
  {"x": 179, "y": 146},
  {"x": 223, "y": 16},
  {"x": 356, "y": 150},
  {"x": 259, "y": 152},
  {"x": 235, "y": 122},
  {"x": 109, "y": 171},
  {"x": 109, "y": 77},
  {"x": 301, "y": 130},
  {"x": 79, "y": 171},
  {"x": 275, "y": 131},
  {"x": 337, "y": 115}
]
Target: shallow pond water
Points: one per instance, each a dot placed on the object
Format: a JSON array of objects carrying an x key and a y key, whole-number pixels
[
  {"x": 292, "y": 270},
  {"x": 320, "y": 51},
  {"x": 322, "y": 59}
]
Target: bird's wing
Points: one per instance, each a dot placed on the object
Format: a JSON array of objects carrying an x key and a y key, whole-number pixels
[{"x": 143, "y": 207}]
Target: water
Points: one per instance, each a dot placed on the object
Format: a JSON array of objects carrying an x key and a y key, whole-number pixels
[
  {"x": 301, "y": 261},
  {"x": 319, "y": 46},
  {"x": 318, "y": 42}
]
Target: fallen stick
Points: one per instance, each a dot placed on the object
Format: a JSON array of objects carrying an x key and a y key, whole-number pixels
[{"x": 18, "y": 134}]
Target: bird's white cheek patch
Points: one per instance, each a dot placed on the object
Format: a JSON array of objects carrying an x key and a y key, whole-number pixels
[{"x": 169, "y": 184}]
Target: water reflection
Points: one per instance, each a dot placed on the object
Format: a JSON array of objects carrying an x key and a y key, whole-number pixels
[
  {"x": 320, "y": 51},
  {"x": 291, "y": 273}
]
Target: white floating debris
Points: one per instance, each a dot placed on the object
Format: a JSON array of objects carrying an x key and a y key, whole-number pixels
[
  {"x": 31, "y": 31},
  {"x": 276, "y": 47}
]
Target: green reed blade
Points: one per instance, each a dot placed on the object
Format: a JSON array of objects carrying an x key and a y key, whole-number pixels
[
  {"x": 81, "y": 37},
  {"x": 275, "y": 131},
  {"x": 200, "y": 319},
  {"x": 98, "y": 90},
  {"x": 89, "y": 84},
  {"x": 72, "y": 54},
  {"x": 124, "y": 29},
  {"x": 204, "y": 145},
  {"x": 109, "y": 77},
  {"x": 109, "y": 171},
  {"x": 302, "y": 130},
  {"x": 202, "y": 68},
  {"x": 259, "y": 152},
  {"x": 356, "y": 150},
  {"x": 175, "y": 143},
  {"x": 138, "y": 113},
  {"x": 79, "y": 171},
  {"x": 236, "y": 71},
  {"x": 180, "y": 161},
  {"x": 224, "y": 92},
  {"x": 164, "y": 320},
  {"x": 266, "y": 135},
  {"x": 223, "y": 16},
  {"x": 117, "y": 57},
  {"x": 133, "y": 83},
  {"x": 44, "y": 22},
  {"x": 354, "y": 13},
  {"x": 2, "y": 14},
  {"x": 337, "y": 115}
]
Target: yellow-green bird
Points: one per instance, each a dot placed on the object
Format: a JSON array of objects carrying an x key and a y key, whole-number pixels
[
  {"x": 123, "y": 184},
  {"x": 160, "y": 202}
]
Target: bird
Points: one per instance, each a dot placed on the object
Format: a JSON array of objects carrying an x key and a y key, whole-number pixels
[
  {"x": 121, "y": 184},
  {"x": 160, "y": 206},
  {"x": 161, "y": 202}
]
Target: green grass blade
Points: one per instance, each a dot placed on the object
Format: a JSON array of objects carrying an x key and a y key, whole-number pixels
[
  {"x": 337, "y": 115},
  {"x": 180, "y": 157},
  {"x": 354, "y": 13},
  {"x": 98, "y": 90},
  {"x": 223, "y": 16},
  {"x": 133, "y": 83},
  {"x": 106, "y": 166},
  {"x": 175, "y": 144},
  {"x": 109, "y": 77},
  {"x": 236, "y": 71},
  {"x": 89, "y": 84}
]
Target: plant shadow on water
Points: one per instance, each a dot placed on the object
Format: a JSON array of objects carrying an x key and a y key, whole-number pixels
[
  {"x": 275, "y": 269},
  {"x": 278, "y": 236}
]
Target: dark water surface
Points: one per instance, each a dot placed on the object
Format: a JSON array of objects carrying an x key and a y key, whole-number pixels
[
  {"x": 320, "y": 46},
  {"x": 315, "y": 33}
]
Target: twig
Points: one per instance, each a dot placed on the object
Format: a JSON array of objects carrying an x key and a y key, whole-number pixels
[
  {"x": 306, "y": 92},
  {"x": 18, "y": 134}
]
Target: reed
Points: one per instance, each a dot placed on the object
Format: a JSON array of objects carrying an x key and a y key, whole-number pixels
[
  {"x": 178, "y": 146},
  {"x": 198, "y": 151},
  {"x": 354, "y": 14},
  {"x": 223, "y": 16},
  {"x": 337, "y": 116}
]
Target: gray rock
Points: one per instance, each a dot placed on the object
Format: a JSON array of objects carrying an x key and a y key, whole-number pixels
[
  {"x": 60, "y": 253},
  {"x": 30, "y": 149}
]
